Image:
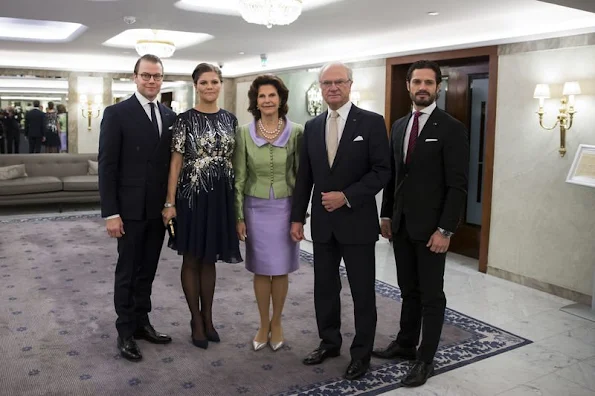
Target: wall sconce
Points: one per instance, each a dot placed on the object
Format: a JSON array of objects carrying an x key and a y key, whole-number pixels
[
  {"x": 355, "y": 97},
  {"x": 90, "y": 109},
  {"x": 566, "y": 112},
  {"x": 314, "y": 100}
]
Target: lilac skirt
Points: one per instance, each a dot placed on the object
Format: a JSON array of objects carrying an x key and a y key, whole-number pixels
[{"x": 269, "y": 248}]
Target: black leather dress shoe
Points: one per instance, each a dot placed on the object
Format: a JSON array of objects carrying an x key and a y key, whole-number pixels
[
  {"x": 148, "y": 333},
  {"x": 129, "y": 350},
  {"x": 395, "y": 351},
  {"x": 419, "y": 374},
  {"x": 356, "y": 369},
  {"x": 319, "y": 355}
]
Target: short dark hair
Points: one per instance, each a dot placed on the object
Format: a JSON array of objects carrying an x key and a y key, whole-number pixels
[
  {"x": 50, "y": 105},
  {"x": 282, "y": 91},
  {"x": 36, "y": 103},
  {"x": 425, "y": 64},
  {"x": 149, "y": 58},
  {"x": 205, "y": 68}
]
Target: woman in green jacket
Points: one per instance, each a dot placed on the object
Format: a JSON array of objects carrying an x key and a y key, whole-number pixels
[{"x": 265, "y": 165}]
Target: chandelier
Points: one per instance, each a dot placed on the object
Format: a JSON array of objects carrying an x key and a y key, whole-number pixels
[
  {"x": 160, "y": 48},
  {"x": 270, "y": 12}
]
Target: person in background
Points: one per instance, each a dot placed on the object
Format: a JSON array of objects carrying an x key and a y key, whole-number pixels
[
  {"x": 35, "y": 127},
  {"x": 52, "y": 138},
  {"x": 200, "y": 196},
  {"x": 266, "y": 159},
  {"x": 62, "y": 128}
]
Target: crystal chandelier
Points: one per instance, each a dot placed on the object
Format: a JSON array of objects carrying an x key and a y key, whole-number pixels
[
  {"x": 270, "y": 12},
  {"x": 160, "y": 48}
]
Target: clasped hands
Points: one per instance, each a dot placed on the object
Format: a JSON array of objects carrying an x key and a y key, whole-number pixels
[{"x": 331, "y": 201}]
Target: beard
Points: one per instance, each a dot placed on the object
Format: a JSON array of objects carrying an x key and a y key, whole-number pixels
[{"x": 423, "y": 102}]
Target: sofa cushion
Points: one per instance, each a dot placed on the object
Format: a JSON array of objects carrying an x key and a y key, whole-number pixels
[
  {"x": 93, "y": 167},
  {"x": 12, "y": 172},
  {"x": 27, "y": 185},
  {"x": 81, "y": 183}
]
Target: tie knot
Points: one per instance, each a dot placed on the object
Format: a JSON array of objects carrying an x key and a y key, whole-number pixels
[
  {"x": 417, "y": 114},
  {"x": 334, "y": 114},
  {"x": 151, "y": 104}
]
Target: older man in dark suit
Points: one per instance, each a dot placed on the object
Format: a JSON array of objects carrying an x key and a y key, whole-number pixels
[
  {"x": 134, "y": 154},
  {"x": 345, "y": 157},
  {"x": 421, "y": 208}
]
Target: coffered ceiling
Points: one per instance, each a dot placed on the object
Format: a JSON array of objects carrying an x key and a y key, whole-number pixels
[{"x": 345, "y": 30}]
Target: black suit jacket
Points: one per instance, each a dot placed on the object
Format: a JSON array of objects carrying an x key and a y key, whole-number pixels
[
  {"x": 35, "y": 123},
  {"x": 361, "y": 169},
  {"x": 133, "y": 161},
  {"x": 431, "y": 190}
]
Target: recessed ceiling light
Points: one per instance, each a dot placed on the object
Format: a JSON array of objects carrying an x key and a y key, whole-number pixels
[
  {"x": 128, "y": 38},
  {"x": 37, "y": 30},
  {"x": 242, "y": 52},
  {"x": 433, "y": 13}
]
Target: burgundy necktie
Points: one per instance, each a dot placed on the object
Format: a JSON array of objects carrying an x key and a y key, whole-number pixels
[{"x": 413, "y": 136}]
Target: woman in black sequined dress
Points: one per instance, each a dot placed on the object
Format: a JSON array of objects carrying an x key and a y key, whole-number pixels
[{"x": 200, "y": 187}]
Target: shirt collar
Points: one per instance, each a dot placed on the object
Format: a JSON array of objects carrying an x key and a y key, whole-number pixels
[
  {"x": 142, "y": 100},
  {"x": 428, "y": 110},
  {"x": 343, "y": 111},
  {"x": 281, "y": 140}
]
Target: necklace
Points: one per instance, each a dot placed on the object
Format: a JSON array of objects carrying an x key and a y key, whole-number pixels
[{"x": 270, "y": 136}]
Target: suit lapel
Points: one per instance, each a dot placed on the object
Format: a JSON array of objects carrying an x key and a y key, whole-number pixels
[
  {"x": 322, "y": 136},
  {"x": 139, "y": 113},
  {"x": 348, "y": 133},
  {"x": 431, "y": 124},
  {"x": 400, "y": 139}
]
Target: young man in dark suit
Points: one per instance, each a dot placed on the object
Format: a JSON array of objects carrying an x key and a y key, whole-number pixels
[
  {"x": 421, "y": 208},
  {"x": 345, "y": 157},
  {"x": 134, "y": 154}
]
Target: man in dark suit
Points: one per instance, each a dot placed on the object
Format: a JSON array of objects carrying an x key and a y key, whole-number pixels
[
  {"x": 35, "y": 127},
  {"x": 11, "y": 129},
  {"x": 421, "y": 208},
  {"x": 134, "y": 154},
  {"x": 345, "y": 157}
]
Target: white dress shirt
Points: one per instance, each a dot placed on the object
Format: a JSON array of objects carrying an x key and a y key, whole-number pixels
[
  {"x": 145, "y": 103},
  {"x": 423, "y": 118},
  {"x": 343, "y": 112}
]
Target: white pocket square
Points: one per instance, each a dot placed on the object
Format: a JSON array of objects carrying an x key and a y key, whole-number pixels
[
  {"x": 358, "y": 139},
  {"x": 431, "y": 140}
]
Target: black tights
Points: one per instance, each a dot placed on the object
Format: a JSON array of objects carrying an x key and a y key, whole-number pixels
[{"x": 198, "y": 282}]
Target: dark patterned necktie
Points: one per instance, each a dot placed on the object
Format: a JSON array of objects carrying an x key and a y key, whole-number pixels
[
  {"x": 154, "y": 118},
  {"x": 413, "y": 136}
]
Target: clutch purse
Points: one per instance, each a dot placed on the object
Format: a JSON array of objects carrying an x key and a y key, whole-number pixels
[{"x": 172, "y": 230}]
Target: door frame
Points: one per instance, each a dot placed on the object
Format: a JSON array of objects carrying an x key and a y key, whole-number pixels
[{"x": 394, "y": 75}]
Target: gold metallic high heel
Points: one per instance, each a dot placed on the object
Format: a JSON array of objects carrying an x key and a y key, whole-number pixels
[
  {"x": 275, "y": 347},
  {"x": 259, "y": 345}
]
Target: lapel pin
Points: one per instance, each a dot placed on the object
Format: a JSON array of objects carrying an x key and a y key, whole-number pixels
[{"x": 435, "y": 124}]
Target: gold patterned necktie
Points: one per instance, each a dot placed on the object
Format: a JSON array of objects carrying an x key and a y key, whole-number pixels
[{"x": 332, "y": 137}]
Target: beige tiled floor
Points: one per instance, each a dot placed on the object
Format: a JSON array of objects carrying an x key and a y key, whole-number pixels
[{"x": 560, "y": 362}]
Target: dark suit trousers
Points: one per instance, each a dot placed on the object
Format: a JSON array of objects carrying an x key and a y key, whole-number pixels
[
  {"x": 420, "y": 274},
  {"x": 13, "y": 141},
  {"x": 138, "y": 254},
  {"x": 34, "y": 145},
  {"x": 361, "y": 273}
]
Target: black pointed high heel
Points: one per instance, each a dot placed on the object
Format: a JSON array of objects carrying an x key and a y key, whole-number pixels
[{"x": 204, "y": 344}]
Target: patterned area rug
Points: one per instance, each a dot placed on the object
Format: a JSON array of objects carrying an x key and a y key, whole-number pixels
[{"x": 57, "y": 334}]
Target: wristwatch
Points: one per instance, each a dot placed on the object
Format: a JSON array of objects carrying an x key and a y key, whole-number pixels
[
  {"x": 169, "y": 205},
  {"x": 445, "y": 233}
]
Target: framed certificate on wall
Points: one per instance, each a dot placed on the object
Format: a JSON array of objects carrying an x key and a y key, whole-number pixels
[{"x": 582, "y": 170}]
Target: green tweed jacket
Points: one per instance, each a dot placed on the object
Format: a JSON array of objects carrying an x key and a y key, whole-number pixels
[{"x": 260, "y": 166}]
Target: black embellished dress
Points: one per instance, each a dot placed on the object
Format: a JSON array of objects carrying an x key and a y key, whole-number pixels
[{"x": 206, "y": 225}]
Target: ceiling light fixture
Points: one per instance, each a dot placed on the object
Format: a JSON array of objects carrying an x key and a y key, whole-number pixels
[
  {"x": 160, "y": 48},
  {"x": 433, "y": 13},
  {"x": 270, "y": 12}
]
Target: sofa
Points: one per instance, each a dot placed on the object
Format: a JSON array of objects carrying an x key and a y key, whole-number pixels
[{"x": 51, "y": 178}]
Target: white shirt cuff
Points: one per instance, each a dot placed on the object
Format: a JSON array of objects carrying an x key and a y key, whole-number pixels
[{"x": 112, "y": 217}]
